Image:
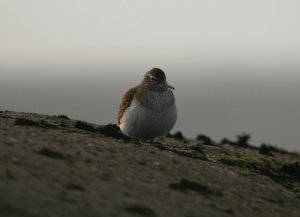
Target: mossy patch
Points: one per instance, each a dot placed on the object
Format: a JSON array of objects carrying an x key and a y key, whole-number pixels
[
  {"x": 296, "y": 186},
  {"x": 285, "y": 173},
  {"x": 251, "y": 163}
]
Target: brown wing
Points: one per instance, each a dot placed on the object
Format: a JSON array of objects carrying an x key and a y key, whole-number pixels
[{"x": 126, "y": 101}]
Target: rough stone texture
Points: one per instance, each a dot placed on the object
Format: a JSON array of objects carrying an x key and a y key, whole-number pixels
[{"x": 54, "y": 166}]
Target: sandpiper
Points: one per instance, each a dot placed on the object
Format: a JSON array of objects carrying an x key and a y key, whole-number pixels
[{"x": 148, "y": 110}]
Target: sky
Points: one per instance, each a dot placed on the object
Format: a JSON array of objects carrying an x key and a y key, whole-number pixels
[{"x": 235, "y": 64}]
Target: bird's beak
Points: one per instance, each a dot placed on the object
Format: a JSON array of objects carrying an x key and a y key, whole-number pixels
[{"x": 169, "y": 86}]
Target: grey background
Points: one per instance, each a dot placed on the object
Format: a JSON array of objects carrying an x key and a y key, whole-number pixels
[{"x": 234, "y": 64}]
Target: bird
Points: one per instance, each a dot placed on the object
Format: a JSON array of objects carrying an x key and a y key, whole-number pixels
[{"x": 148, "y": 110}]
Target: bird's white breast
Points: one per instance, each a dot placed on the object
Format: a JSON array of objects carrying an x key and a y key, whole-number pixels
[{"x": 154, "y": 118}]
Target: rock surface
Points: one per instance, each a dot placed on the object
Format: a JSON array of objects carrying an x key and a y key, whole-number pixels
[{"x": 54, "y": 166}]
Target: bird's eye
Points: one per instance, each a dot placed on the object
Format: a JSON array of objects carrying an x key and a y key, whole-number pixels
[{"x": 151, "y": 78}]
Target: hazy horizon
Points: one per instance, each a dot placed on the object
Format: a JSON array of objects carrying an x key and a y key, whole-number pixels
[
  {"x": 235, "y": 65},
  {"x": 268, "y": 109}
]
